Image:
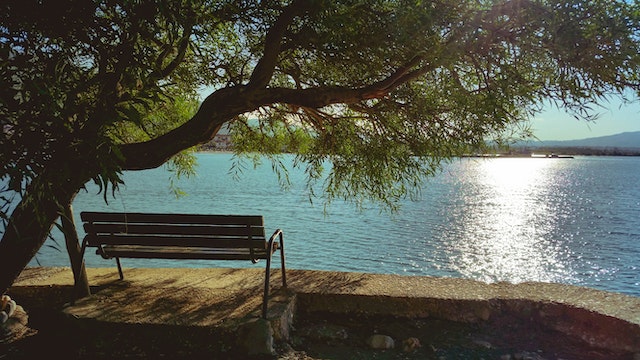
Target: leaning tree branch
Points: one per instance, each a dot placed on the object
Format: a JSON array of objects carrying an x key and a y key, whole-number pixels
[
  {"x": 225, "y": 104},
  {"x": 221, "y": 106},
  {"x": 323, "y": 96}
]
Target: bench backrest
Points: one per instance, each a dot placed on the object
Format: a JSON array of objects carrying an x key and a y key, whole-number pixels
[{"x": 186, "y": 230}]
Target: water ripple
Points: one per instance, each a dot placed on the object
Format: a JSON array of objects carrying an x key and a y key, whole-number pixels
[{"x": 568, "y": 221}]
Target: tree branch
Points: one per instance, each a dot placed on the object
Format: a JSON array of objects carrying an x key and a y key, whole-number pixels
[
  {"x": 225, "y": 104},
  {"x": 398, "y": 77},
  {"x": 323, "y": 96},
  {"x": 272, "y": 46},
  {"x": 218, "y": 108},
  {"x": 183, "y": 44}
]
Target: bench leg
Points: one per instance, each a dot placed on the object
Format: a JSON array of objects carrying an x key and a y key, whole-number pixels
[
  {"x": 284, "y": 273},
  {"x": 119, "y": 269},
  {"x": 267, "y": 275}
]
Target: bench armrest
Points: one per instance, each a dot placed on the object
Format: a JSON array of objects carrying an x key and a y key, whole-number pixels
[
  {"x": 272, "y": 243},
  {"x": 276, "y": 242}
]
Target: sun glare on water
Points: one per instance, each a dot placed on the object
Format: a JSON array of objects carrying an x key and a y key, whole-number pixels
[{"x": 506, "y": 238}]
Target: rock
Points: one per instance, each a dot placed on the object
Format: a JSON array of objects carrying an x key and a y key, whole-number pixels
[
  {"x": 411, "y": 344},
  {"x": 325, "y": 332},
  {"x": 381, "y": 342},
  {"x": 15, "y": 327},
  {"x": 484, "y": 313},
  {"x": 525, "y": 355},
  {"x": 506, "y": 357},
  {"x": 10, "y": 308},
  {"x": 258, "y": 338},
  {"x": 3, "y": 301},
  {"x": 483, "y": 344}
]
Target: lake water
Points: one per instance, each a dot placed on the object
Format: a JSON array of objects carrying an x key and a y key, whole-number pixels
[{"x": 573, "y": 221}]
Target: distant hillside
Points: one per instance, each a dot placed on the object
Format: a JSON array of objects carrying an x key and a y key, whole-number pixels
[{"x": 627, "y": 140}]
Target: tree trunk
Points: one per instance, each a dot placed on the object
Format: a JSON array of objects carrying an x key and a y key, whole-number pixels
[
  {"x": 80, "y": 281},
  {"x": 44, "y": 200}
]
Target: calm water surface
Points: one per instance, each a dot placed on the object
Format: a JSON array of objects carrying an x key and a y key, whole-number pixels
[{"x": 573, "y": 221}]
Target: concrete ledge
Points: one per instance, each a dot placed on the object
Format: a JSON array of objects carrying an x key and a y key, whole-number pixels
[
  {"x": 208, "y": 299},
  {"x": 595, "y": 329}
]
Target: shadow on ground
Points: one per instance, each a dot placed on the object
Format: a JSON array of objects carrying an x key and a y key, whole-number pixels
[{"x": 199, "y": 313}]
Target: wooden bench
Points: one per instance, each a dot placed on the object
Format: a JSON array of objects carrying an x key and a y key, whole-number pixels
[{"x": 183, "y": 236}]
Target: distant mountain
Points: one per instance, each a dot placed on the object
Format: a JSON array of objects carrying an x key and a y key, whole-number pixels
[{"x": 627, "y": 140}]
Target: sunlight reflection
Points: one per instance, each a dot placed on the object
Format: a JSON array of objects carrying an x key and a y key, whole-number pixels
[{"x": 505, "y": 239}]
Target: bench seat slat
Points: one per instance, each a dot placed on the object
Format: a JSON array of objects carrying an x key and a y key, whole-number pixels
[
  {"x": 132, "y": 218},
  {"x": 174, "y": 229},
  {"x": 132, "y": 251},
  {"x": 158, "y": 240}
]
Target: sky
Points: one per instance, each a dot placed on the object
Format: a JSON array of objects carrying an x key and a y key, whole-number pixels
[{"x": 615, "y": 118}]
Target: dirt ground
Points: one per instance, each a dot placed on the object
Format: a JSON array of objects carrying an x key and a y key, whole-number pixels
[{"x": 324, "y": 336}]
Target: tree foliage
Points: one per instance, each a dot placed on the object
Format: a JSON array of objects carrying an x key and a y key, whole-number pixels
[{"x": 383, "y": 89}]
